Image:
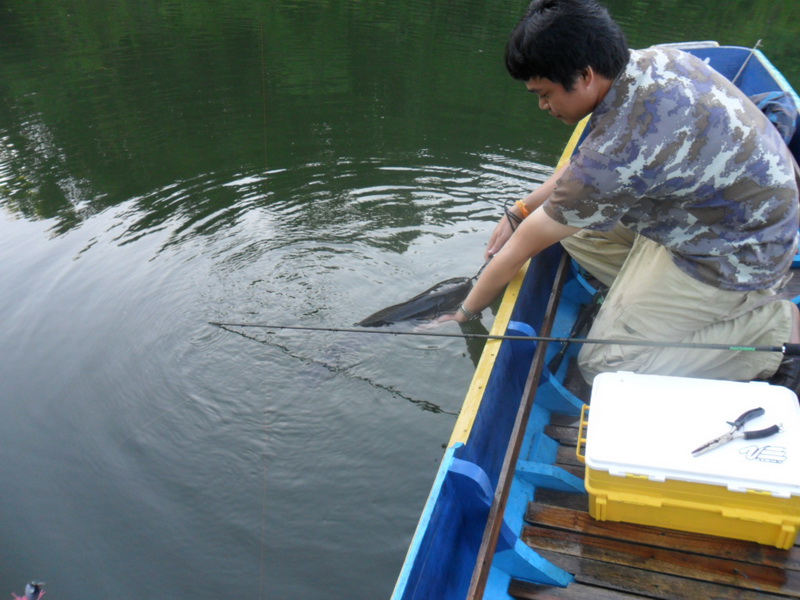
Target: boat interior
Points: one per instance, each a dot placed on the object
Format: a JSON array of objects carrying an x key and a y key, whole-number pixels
[{"x": 614, "y": 560}]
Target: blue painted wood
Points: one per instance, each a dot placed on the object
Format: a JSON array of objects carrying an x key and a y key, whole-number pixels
[
  {"x": 555, "y": 397},
  {"x": 539, "y": 448},
  {"x": 521, "y": 562},
  {"x": 435, "y": 542},
  {"x": 549, "y": 476}
]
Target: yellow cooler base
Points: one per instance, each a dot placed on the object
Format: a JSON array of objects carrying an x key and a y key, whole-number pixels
[{"x": 694, "y": 507}]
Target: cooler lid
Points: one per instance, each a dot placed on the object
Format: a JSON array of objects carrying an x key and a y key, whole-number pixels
[{"x": 649, "y": 424}]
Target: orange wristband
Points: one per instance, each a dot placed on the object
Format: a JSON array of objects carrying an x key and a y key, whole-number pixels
[{"x": 522, "y": 208}]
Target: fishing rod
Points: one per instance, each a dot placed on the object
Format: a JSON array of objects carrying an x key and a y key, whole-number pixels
[
  {"x": 786, "y": 349},
  {"x": 746, "y": 60}
]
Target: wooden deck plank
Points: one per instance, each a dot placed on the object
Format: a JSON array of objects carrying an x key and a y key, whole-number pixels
[
  {"x": 566, "y": 435},
  {"x": 569, "y": 500},
  {"x": 638, "y": 583},
  {"x": 564, "y": 419},
  {"x": 566, "y": 456},
  {"x": 667, "y": 561},
  {"x": 577, "y": 591},
  {"x": 572, "y": 520}
]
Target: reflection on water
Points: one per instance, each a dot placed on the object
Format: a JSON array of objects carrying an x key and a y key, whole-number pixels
[{"x": 166, "y": 164}]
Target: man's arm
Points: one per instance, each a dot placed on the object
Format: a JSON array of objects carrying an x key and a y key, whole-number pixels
[
  {"x": 532, "y": 201},
  {"x": 534, "y": 234}
]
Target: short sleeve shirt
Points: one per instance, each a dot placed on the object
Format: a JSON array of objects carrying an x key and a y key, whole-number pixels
[{"x": 679, "y": 155}]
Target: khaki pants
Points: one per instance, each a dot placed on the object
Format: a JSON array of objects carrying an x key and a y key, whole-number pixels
[{"x": 651, "y": 299}]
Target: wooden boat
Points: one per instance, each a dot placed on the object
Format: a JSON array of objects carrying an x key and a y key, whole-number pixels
[{"x": 506, "y": 516}]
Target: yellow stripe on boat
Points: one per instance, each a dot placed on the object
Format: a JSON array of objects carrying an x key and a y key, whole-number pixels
[
  {"x": 569, "y": 149},
  {"x": 474, "y": 397},
  {"x": 472, "y": 402}
]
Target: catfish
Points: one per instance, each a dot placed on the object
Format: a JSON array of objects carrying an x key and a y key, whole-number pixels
[{"x": 443, "y": 298}]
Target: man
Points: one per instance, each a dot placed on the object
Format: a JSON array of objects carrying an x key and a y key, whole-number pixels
[{"x": 682, "y": 199}]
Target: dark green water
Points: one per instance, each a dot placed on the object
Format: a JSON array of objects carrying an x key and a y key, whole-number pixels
[{"x": 166, "y": 163}]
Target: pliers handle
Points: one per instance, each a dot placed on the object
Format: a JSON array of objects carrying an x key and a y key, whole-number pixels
[
  {"x": 751, "y": 414},
  {"x": 736, "y": 431}
]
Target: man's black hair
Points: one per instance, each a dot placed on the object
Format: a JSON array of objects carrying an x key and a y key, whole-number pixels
[{"x": 558, "y": 39}]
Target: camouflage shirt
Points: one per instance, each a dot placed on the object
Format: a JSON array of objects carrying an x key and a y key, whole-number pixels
[{"x": 679, "y": 155}]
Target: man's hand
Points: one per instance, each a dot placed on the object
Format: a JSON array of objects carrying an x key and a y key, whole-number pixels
[
  {"x": 457, "y": 316},
  {"x": 437, "y": 322}
]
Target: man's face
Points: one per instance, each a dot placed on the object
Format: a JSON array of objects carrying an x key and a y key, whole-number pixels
[{"x": 567, "y": 106}]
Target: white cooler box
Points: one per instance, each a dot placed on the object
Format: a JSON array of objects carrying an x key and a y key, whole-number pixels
[{"x": 639, "y": 434}]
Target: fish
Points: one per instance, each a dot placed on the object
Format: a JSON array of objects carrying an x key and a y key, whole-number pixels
[{"x": 443, "y": 298}]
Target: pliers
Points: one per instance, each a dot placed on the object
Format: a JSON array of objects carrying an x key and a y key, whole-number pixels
[{"x": 736, "y": 432}]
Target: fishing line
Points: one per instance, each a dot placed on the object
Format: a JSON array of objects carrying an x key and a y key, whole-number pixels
[
  {"x": 344, "y": 370},
  {"x": 786, "y": 348}
]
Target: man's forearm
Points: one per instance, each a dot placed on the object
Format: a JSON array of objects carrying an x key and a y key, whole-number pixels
[
  {"x": 536, "y": 233},
  {"x": 537, "y": 197}
]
